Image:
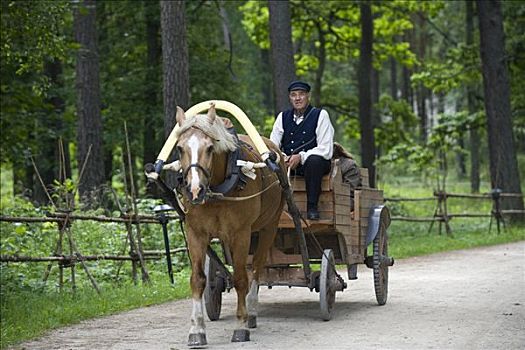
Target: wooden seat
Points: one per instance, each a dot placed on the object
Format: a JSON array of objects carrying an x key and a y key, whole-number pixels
[{"x": 334, "y": 201}]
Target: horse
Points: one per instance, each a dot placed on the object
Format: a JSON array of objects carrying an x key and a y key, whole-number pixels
[{"x": 203, "y": 146}]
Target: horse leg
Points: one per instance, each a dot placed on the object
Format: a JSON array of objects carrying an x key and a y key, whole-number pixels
[
  {"x": 266, "y": 238},
  {"x": 197, "y": 247},
  {"x": 241, "y": 245}
]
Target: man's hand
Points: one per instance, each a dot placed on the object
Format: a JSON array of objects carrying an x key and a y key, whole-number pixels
[{"x": 293, "y": 161}]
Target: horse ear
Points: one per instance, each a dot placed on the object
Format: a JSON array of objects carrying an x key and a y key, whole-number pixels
[
  {"x": 227, "y": 122},
  {"x": 211, "y": 113},
  {"x": 180, "y": 117}
]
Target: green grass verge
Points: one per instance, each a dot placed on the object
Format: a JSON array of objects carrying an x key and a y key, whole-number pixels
[
  {"x": 416, "y": 241},
  {"x": 28, "y": 314}
]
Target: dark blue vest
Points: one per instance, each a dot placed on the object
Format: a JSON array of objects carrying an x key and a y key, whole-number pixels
[{"x": 300, "y": 137}]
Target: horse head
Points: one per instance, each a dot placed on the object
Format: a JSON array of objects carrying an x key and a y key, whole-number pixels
[{"x": 201, "y": 139}]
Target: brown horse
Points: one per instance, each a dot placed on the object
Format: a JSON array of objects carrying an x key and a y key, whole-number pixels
[{"x": 203, "y": 146}]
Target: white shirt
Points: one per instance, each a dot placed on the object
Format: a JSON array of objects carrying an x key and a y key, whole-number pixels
[{"x": 324, "y": 133}]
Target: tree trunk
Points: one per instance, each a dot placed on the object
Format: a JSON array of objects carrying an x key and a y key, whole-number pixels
[
  {"x": 393, "y": 78},
  {"x": 23, "y": 173},
  {"x": 89, "y": 132},
  {"x": 175, "y": 61},
  {"x": 47, "y": 155},
  {"x": 407, "y": 93},
  {"x": 375, "y": 92},
  {"x": 267, "y": 84},
  {"x": 460, "y": 158},
  {"x": 471, "y": 105},
  {"x": 365, "y": 98},
  {"x": 503, "y": 162},
  {"x": 319, "y": 72},
  {"x": 281, "y": 52},
  {"x": 406, "y": 90},
  {"x": 175, "y": 65},
  {"x": 422, "y": 91},
  {"x": 104, "y": 13},
  {"x": 150, "y": 143},
  {"x": 461, "y": 166},
  {"x": 62, "y": 155}
]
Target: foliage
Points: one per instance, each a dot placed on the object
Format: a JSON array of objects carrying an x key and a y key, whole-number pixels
[
  {"x": 514, "y": 14},
  {"x": 458, "y": 68},
  {"x": 91, "y": 238},
  {"x": 255, "y": 21},
  {"x": 431, "y": 158},
  {"x": 123, "y": 74},
  {"x": 31, "y": 33},
  {"x": 235, "y": 70},
  {"x": 218, "y": 71},
  {"x": 398, "y": 120},
  {"x": 337, "y": 22}
]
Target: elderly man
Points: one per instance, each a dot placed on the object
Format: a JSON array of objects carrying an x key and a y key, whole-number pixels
[{"x": 306, "y": 135}]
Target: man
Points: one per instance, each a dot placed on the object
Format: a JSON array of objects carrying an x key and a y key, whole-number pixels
[{"x": 305, "y": 134}]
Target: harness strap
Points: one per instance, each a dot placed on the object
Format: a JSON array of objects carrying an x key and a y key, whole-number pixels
[
  {"x": 234, "y": 177},
  {"x": 198, "y": 166},
  {"x": 222, "y": 197}
]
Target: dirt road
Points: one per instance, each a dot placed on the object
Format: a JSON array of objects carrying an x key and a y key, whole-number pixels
[{"x": 469, "y": 299}]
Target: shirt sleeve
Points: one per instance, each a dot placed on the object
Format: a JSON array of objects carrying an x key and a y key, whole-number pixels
[
  {"x": 325, "y": 139},
  {"x": 277, "y": 132}
]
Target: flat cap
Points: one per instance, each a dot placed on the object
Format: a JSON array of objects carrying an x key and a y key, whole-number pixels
[{"x": 299, "y": 85}]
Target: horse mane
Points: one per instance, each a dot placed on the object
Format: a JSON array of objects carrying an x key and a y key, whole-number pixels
[{"x": 223, "y": 140}]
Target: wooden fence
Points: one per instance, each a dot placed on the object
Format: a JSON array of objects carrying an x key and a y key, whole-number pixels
[
  {"x": 137, "y": 255},
  {"x": 443, "y": 216}
]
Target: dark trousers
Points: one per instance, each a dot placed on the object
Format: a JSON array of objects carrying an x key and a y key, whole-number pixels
[{"x": 313, "y": 170}]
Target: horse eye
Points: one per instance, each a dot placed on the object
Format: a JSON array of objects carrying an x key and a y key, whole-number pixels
[
  {"x": 209, "y": 150},
  {"x": 180, "y": 150}
]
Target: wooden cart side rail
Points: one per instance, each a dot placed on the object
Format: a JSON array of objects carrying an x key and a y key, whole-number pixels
[{"x": 337, "y": 217}]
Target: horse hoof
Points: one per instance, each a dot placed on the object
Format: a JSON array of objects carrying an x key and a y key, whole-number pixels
[
  {"x": 240, "y": 335},
  {"x": 197, "y": 340},
  {"x": 252, "y": 321}
]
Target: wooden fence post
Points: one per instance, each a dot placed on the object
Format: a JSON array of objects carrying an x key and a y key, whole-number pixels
[{"x": 496, "y": 209}]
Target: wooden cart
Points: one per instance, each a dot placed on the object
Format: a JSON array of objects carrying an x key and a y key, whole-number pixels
[{"x": 341, "y": 237}]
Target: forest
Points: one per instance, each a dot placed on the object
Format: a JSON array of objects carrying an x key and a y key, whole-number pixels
[
  {"x": 418, "y": 86},
  {"x": 427, "y": 95}
]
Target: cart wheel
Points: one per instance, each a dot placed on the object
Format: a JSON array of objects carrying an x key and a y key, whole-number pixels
[
  {"x": 327, "y": 284},
  {"x": 380, "y": 264},
  {"x": 213, "y": 290}
]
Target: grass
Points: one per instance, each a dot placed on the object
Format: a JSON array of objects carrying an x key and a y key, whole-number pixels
[
  {"x": 405, "y": 244},
  {"x": 27, "y": 314},
  {"x": 408, "y": 239}
]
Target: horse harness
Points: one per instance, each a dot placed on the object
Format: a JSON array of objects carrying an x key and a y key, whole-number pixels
[{"x": 235, "y": 179}]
